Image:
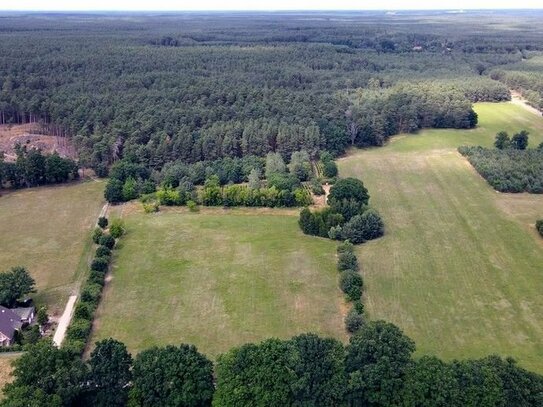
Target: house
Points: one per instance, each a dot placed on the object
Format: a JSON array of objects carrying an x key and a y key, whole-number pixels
[
  {"x": 26, "y": 314},
  {"x": 10, "y": 322}
]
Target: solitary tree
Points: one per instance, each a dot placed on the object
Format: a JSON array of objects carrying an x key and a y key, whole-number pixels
[
  {"x": 520, "y": 140},
  {"x": 15, "y": 284},
  {"x": 502, "y": 140}
]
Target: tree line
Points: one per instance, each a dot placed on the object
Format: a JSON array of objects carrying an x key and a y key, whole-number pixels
[
  {"x": 33, "y": 168},
  {"x": 376, "y": 368}
]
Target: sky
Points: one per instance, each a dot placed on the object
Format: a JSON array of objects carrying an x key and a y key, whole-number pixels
[{"x": 265, "y": 4}]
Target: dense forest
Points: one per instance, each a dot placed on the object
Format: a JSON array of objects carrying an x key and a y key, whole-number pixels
[{"x": 152, "y": 89}]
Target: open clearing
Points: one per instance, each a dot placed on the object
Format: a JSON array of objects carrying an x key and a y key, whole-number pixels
[
  {"x": 47, "y": 230},
  {"x": 217, "y": 279},
  {"x": 461, "y": 266}
]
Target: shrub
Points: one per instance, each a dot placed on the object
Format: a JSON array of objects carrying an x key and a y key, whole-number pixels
[
  {"x": 169, "y": 196},
  {"x": 345, "y": 247},
  {"x": 150, "y": 207},
  {"x": 99, "y": 264},
  {"x": 330, "y": 169},
  {"x": 539, "y": 226},
  {"x": 96, "y": 277},
  {"x": 358, "y": 306},
  {"x": 335, "y": 233},
  {"x": 347, "y": 261},
  {"x": 351, "y": 284},
  {"x": 316, "y": 187},
  {"x": 83, "y": 310},
  {"x": 114, "y": 191},
  {"x": 96, "y": 235},
  {"x": 302, "y": 197},
  {"x": 107, "y": 241},
  {"x": 79, "y": 330},
  {"x": 193, "y": 206},
  {"x": 102, "y": 222},
  {"x": 353, "y": 321},
  {"x": 117, "y": 228},
  {"x": 91, "y": 293},
  {"x": 103, "y": 251}
]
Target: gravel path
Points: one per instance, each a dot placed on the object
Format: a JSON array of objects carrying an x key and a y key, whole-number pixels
[{"x": 64, "y": 321}]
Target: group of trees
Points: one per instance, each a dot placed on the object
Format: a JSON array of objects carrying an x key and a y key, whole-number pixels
[
  {"x": 351, "y": 283},
  {"x": 32, "y": 168},
  {"x": 268, "y": 182},
  {"x": 104, "y": 236},
  {"x": 376, "y": 368},
  {"x": 511, "y": 167},
  {"x": 347, "y": 216}
]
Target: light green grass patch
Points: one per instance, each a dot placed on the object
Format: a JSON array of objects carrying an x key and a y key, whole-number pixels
[
  {"x": 460, "y": 268},
  {"x": 47, "y": 230},
  {"x": 219, "y": 279}
]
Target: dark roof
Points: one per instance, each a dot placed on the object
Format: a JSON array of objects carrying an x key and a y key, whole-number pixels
[
  {"x": 9, "y": 322},
  {"x": 23, "y": 313}
]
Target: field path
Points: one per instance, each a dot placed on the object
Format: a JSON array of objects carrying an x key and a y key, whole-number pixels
[
  {"x": 66, "y": 317},
  {"x": 64, "y": 321},
  {"x": 517, "y": 99}
]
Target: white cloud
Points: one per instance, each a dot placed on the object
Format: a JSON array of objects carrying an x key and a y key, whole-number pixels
[{"x": 263, "y": 4}]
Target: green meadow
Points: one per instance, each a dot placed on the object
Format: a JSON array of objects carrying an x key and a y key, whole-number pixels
[{"x": 460, "y": 268}]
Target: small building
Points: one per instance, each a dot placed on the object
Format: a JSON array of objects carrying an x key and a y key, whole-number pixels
[
  {"x": 10, "y": 322},
  {"x": 26, "y": 314}
]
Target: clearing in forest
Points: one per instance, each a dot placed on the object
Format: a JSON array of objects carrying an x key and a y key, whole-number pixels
[
  {"x": 217, "y": 279},
  {"x": 460, "y": 268},
  {"x": 47, "y": 230}
]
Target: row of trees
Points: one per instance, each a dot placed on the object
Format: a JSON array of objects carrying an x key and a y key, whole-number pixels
[
  {"x": 32, "y": 168},
  {"x": 351, "y": 283},
  {"x": 508, "y": 170},
  {"x": 347, "y": 216},
  {"x": 104, "y": 236},
  {"x": 376, "y": 368}
]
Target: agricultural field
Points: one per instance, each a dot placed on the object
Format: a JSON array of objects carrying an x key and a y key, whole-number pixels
[
  {"x": 218, "y": 279},
  {"x": 47, "y": 230},
  {"x": 460, "y": 268}
]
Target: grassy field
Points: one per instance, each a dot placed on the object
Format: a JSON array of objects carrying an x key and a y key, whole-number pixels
[
  {"x": 5, "y": 370},
  {"x": 219, "y": 279},
  {"x": 47, "y": 230},
  {"x": 461, "y": 266}
]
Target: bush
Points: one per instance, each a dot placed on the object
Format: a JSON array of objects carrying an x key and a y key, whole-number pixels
[
  {"x": 335, "y": 233},
  {"x": 353, "y": 321},
  {"x": 96, "y": 277},
  {"x": 103, "y": 251},
  {"x": 302, "y": 197},
  {"x": 79, "y": 330},
  {"x": 102, "y": 222},
  {"x": 91, "y": 293},
  {"x": 364, "y": 227},
  {"x": 100, "y": 264},
  {"x": 330, "y": 169},
  {"x": 351, "y": 284},
  {"x": 150, "y": 207},
  {"x": 117, "y": 228},
  {"x": 96, "y": 235},
  {"x": 316, "y": 187},
  {"x": 107, "y": 241},
  {"x": 83, "y": 310},
  {"x": 358, "y": 306},
  {"x": 345, "y": 247},
  {"x": 347, "y": 261},
  {"x": 193, "y": 206},
  {"x": 539, "y": 226},
  {"x": 169, "y": 196}
]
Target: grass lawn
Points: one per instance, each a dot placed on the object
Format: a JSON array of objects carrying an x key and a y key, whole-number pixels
[
  {"x": 5, "y": 370},
  {"x": 461, "y": 266},
  {"x": 219, "y": 279},
  {"x": 47, "y": 230}
]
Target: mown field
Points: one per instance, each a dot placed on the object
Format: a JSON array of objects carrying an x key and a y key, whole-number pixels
[
  {"x": 46, "y": 230},
  {"x": 5, "y": 371},
  {"x": 219, "y": 279},
  {"x": 461, "y": 266}
]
